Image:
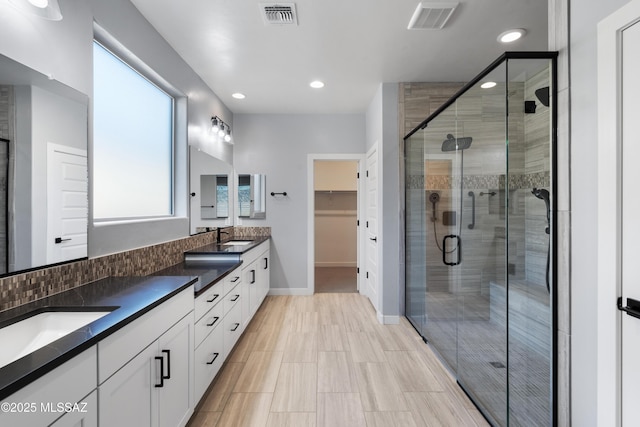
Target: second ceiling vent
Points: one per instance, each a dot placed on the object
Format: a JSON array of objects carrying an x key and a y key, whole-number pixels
[
  {"x": 431, "y": 16},
  {"x": 279, "y": 13}
]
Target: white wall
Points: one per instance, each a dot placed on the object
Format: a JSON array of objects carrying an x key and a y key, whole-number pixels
[
  {"x": 382, "y": 127},
  {"x": 63, "y": 49},
  {"x": 584, "y": 203},
  {"x": 277, "y": 146}
]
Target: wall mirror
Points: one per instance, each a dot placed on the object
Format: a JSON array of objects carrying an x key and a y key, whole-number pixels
[
  {"x": 211, "y": 191},
  {"x": 252, "y": 196},
  {"x": 43, "y": 170}
]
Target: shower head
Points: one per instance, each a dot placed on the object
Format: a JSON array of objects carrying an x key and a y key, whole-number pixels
[
  {"x": 543, "y": 95},
  {"x": 453, "y": 144}
]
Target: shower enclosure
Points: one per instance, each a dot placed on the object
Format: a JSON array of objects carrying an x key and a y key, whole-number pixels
[{"x": 480, "y": 232}]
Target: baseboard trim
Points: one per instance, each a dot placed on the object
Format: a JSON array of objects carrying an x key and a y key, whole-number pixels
[
  {"x": 388, "y": 320},
  {"x": 290, "y": 291},
  {"x": 336, "y": 264}
]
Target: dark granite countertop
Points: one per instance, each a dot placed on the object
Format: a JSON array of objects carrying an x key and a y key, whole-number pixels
[
  {"x": 127, "y": 298},
  {"x": 210, "y": 272},
  {"x": 221, "y": 248}
]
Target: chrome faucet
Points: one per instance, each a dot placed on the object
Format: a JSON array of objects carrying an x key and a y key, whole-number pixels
[{"x": 219, "y": 232}]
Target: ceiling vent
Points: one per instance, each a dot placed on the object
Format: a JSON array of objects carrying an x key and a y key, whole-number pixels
[
  {"x": 279, "y": 13},
  {"x": 431, "y": 16}
]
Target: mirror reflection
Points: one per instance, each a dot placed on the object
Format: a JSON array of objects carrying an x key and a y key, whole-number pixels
[
  {"x": 210, "y": 189},
  {"x": 43, "y": 170},
  {"x": 252, "y": 196}
]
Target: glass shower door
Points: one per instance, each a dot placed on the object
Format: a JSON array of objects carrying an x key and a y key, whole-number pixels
[{"x": 480, "y": 279}]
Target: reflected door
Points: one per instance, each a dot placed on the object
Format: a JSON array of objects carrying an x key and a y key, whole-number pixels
[{"x": 67, "y": 203}]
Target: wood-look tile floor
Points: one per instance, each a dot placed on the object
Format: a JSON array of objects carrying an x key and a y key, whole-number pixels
[{"x": 325, "y": 361}]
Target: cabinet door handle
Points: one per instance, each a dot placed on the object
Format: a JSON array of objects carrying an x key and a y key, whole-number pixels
[
  {"x": 215, "y": 297},
  {"x": 253, "y": 276},
  {"x": 235, "y": 279},
  {"x": 161, "y": 359},
  {"x": 235, "y": 326},
  {"x": 215, "y": 356},
  {"x": 266, "y": 263},
  {"x": 215, "y": 319},
  {"x": 235, "y": 298},
  {"x": 168, "y": 364}
]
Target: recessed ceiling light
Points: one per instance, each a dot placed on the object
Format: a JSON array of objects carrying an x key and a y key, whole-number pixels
[
  {"x": 511, "y": 35},
  {"x": 316, "y": 84},
  {"x": 238, "y": 95},
  {"x": 488, "y": 85}
]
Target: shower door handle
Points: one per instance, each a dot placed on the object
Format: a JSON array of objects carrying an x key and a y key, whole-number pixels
[
  {"x": 473, "y": 210},
  {"x": 632, "y": 308},
  {"x": 444, "y": 249}
]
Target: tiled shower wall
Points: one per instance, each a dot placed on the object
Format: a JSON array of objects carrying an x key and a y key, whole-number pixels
[
  {"x": 7, "y": 108},
  {"x": 26, "y": 287},
  {"x": 482, "y": 117}
]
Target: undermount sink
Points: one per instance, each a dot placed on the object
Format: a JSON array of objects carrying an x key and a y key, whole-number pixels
[
  {"x": 237, "y": 242},
  {"x": 34, "y": 332}
]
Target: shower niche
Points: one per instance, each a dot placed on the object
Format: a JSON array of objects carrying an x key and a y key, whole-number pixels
[{"x": 479, "y": 271}]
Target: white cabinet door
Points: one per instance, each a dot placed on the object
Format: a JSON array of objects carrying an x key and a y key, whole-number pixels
[
  {"x": 209, "y": 357},
  {"x": 155, "y": 388},
  {"x": 129, "y": 398},
  {"x": 175, "y": 398},
  {"x": 85, "y": 416},
  {"x": 263, "y": 276}
]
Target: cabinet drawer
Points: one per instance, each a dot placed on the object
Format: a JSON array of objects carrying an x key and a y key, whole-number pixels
[
  {"x": 210, "y": 321},
  {"x": 231, "y": 281},
  {"x": 232, "y": 328},
  {"x": 209, "y": 299},
  {"x": 209, "y": 357},
  {"x": 232, "y": 299}
]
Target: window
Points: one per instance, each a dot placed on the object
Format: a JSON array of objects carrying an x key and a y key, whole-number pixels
[{"x": 132, "y": 142}]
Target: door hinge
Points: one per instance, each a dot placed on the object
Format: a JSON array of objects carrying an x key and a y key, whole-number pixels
[
  {"x": 358, "y": 270},
  {"x": 367, "y": 174},
  {"x": 367, "y": 274},
  {"x": 358, "y": 222},
  {"x": 358, "y": 175}
]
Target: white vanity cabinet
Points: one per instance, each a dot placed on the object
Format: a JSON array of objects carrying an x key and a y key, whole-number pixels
[
  {"x": 255, "y": 276},
  {"x": 145, "y": 370},
  {"x": 216, "y": 331},
  {"x": 37, "y": 404}
]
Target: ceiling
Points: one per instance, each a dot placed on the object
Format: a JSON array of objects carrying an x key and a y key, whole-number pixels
[{"x": 351, "y": 45}]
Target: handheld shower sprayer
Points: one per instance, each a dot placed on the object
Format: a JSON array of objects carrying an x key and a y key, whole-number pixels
[{"x": 543, "y": 194}]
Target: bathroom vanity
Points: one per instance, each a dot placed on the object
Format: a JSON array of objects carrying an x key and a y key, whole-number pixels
[{"x": 151, "y": 349}]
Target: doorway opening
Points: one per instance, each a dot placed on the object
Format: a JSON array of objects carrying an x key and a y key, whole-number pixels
[{"x": 335, "y": 226}]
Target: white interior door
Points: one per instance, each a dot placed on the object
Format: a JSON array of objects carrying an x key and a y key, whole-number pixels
[
  {"x": 630, "y": 235},
  {"x": 618, "y": 334},
  {"x": 67, "y": 203},
  {"x": 372, "y": 227}
]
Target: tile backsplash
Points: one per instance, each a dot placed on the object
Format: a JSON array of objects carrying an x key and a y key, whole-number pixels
[{"x": 29, "y": 286}]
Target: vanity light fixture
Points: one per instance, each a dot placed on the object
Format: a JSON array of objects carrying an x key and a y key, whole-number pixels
[
  {"x": 220, "y": 129},
  {"x": 511, "y": 35},
  {"x": 47, "y": 9}
]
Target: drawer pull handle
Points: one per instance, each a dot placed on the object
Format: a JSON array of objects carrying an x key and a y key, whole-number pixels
[
  {"x": 161, "y": 359},
  {"x": 235, "y": 326},
  {"x": 235, "y": 279},
  {"x": 266, "y": 263},
  {"x": 168, "y": 377},
  {"x": 253, "y": 276},
  {"x": 215, "y": 356},
  {"x": 215, "y": 319},
  {"x": 235, "y": 298},
  {"x": 215, "y": 297}
]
